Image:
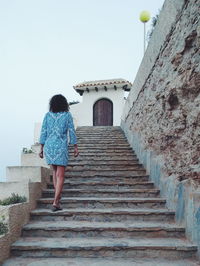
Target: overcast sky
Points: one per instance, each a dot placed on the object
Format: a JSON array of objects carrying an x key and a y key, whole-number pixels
[{"x": 47, "y": 46}]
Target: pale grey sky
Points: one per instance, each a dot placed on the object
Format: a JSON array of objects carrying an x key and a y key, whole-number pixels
[{"x": 47, "y": 46}]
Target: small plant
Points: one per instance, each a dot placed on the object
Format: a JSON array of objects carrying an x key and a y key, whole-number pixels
[
  {"x": 25, "y": 150},
  {"x": 3, "y": 226},
  {"x": 13, "y": 199}
]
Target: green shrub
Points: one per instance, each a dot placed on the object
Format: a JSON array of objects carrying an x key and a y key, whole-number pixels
[
  {"x": 3, "y": 228},
  {"x": 15, "y": 198}
]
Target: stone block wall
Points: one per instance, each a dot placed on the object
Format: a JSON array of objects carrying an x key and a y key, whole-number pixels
[
  {"x": 161, "y": 118},
  {"x": 25, "y": 181}
]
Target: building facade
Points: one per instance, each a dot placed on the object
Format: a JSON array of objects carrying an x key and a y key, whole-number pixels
[{"x": 102, "y": 102}]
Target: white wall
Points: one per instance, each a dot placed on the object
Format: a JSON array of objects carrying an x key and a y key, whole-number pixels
[{"x": 83, "y": 112}]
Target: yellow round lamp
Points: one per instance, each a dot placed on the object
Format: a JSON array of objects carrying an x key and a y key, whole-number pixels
[{"x": 145, "y": 16}]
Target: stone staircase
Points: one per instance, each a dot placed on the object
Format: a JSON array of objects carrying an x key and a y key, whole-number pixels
[{"x": 112, "y": 213}]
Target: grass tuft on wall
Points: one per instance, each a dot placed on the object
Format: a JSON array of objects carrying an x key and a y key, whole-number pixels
[{"x": 13, "y": 199}]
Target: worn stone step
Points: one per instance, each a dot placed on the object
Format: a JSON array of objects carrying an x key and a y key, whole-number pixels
[
  {"x": 98, "y": 157},
  {"x": 102, "y": 141},
  {"x": 103, "y": 193},
  {"x": 114, "y": 140},
  {"x": 102, "y": 185},
  {"x": 104, "y": 166},
  {"x": 103, "y": 145},
  {"x": 108, "y": 247},
  {"x": 104, "y": 152},
  {"x": 97, "y": 229},
  {"x": 78, "y": 168},
  {"x": 104, "y": 178},
  {"x": 99, "y": 129},
  {"x": 102, "y": 172},
  {"x": 103, "y": 155},
  {"x": 92, "y": 158},
  {"x": 19, "y": 261},
  {"x": 106, "y": 203},
  {"x": 103, "y": 215},
  {"x": 104, "y": 148},
  {"x": 100, "y": 133},
  {"x": 101, "y": 137},
  {"x": 124, "y": 163}
]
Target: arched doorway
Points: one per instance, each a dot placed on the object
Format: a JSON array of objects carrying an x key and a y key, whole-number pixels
[{"x": 103, "y": 113}]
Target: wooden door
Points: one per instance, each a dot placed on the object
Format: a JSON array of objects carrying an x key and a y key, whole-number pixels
[{"x": 103, "y": 113}]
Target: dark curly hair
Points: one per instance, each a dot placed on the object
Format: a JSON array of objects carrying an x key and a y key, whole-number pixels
[{"x": 58, "y": 103}]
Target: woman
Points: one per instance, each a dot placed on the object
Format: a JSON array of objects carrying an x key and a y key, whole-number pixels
[{"x": 54, "y": 142}]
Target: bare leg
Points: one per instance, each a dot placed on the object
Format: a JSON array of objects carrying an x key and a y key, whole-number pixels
[
  {"x": 54, "y": 176},
  {"x": 59, "y": 184}
]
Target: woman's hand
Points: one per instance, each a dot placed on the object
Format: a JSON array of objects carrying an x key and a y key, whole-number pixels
[
  {"x": 76, "y": 152},
  {"x": 41, "y": 154}
]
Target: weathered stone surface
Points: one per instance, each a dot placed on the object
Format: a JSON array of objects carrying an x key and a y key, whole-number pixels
[
  {"x": 106, "y": 184},
  {"x": 93, "y": 202},
  {"x": 167, "y": 115},
  {"x": 104, "y": 193},
  {"x": 97, "y": 262},
  {"x": 83, "y": 247},
  {"x": 95, "y": 229},
  {"x": 103, "y": 215}
]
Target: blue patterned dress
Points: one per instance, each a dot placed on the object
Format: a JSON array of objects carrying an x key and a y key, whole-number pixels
[{"x": 54, "y": 136}]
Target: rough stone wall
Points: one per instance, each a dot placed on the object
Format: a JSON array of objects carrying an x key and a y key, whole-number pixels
[{"x": 166, "y": 113}]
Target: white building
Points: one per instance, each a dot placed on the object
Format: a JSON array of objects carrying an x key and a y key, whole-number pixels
[{"x": 102, "y": 102}]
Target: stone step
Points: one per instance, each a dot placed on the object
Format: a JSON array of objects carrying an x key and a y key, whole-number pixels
[
  {"x": 109, "y": 147},
  {"x": 102, "y": 172},
  {"x": 78, "y": 167},
  {"x": 102, "y": 185},
  {"x": 103, "y": 131},
  {"x": 102, "y": 139},
  {"x": 106, "y": 247},
  {"x": 124, "y": 163},
  {"x": 104, "y": 178},
  {"x": 103, "y": 193},
  {"x": 19, "y": 261},
  {"x": 97, "y": 158},
  {"x": 104, "y": 146},
  {"x": 99, "y": 129},
  {"x": 101, "y": 136},
  {"x": 103, "y": 215},
  {"x": 84, "y": 229},
  {"x": 95, "y": 140},
  {"x": 113, "y": 133},
  {"x": 104, "y": 152},
  {"x": 106, "y": 203},
  {"x": 102, "y": 156},
  {"x": 100, "y": 132}
]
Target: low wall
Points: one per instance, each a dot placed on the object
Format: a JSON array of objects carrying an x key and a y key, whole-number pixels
[
  {"x": 29, "y": 182},
  {"x": 33, "y": 159}
]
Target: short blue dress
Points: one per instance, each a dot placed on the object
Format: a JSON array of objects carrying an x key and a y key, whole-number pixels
[{"x": 56, "y": 128}]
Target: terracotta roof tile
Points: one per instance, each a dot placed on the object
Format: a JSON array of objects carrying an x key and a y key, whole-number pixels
[{"x": 102, "y": 82}]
